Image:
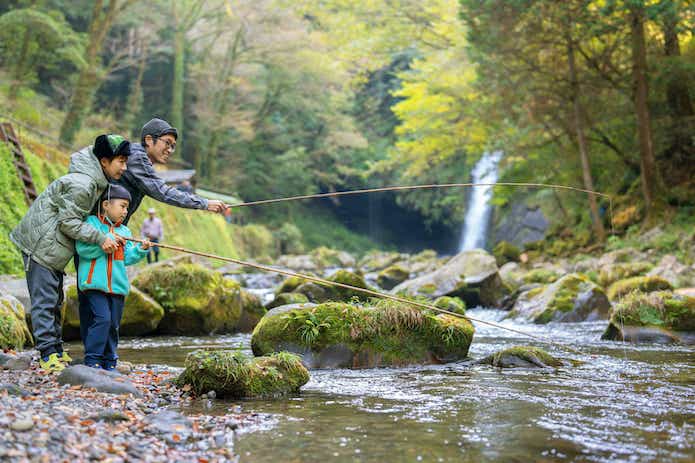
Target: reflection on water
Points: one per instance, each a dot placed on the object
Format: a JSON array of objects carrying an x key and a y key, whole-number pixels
[{"x": 625, "y": 403}]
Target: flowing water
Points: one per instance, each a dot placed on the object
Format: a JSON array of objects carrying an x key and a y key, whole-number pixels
[
  {"x": 626, "y": 403},
  {"x": 478, "y": 210}
]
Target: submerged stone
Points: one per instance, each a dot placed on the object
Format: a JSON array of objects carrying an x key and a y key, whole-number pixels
[
  {"x": 339, "y": 335},
  {"x": 196, "y": 300},
  {"x": 522, "y": 357},
  {"x": 14, "y": 332},
  {"x": 572, "y": 298},
  {"x": 643, "y": 284},
  {"x": 233, "y": 375},
  {"x": 471, "y": 275},
  {"x": 657, "y": 317}
]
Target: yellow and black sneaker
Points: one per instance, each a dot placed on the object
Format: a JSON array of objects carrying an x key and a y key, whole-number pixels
[
  {"x": 65, "y": 358},
  {"x": 51, "y": 364}
]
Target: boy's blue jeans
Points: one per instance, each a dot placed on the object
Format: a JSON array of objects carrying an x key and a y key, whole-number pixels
[{"x": 100, "y": 318}]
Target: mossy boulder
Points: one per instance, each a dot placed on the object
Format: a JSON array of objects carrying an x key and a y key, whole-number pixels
[
  {"x": 235, "y": 376},
  {"x": 287, "y": 299},
  {"x": 612, "y": 273},
  {"x": 471, "y": 275},
  {"x": 14, "y": 332},
  {"x": 662, "y": 317},
  {"x": 504, "y": 252},
  {"x": 540, "y": 275},
  {"x": 375, "y": 261},
  {"x": 319, "y": 292},
  {"x": 141, "y": 314},
  {"x": 392, "y": 276},
  {"x": 645, "y": 284},
  {"x": 522, "y": 357},
  {"x": 572, "y": 298},
  {"x": 290, "y": 284},
  {"x": 452, "y": 304},
  {"x": 196, "y": 300},
  {"x": 252, "y": 311},
  {"x": 331, "y": 258},
  {"x": 339, "y": 335}
]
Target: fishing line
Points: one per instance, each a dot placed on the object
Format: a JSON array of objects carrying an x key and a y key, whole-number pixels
[{"x": 418, "y": 304}]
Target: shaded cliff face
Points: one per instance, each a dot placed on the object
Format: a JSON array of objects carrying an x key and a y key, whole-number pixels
[{"x": 521, "y": 222}]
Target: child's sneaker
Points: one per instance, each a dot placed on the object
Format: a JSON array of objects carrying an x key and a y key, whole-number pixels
[
  {"x": 64, "y": 357},
  {"x": 51, "y": 364}
]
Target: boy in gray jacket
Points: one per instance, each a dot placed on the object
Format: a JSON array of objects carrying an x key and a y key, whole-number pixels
[{"x": 46, "y": 237}]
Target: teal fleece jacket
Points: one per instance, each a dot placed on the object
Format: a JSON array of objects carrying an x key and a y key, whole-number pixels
[{"x": 106, "y": 272}]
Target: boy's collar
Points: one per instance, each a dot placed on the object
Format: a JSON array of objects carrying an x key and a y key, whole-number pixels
[{"x": 106, "y": 221}]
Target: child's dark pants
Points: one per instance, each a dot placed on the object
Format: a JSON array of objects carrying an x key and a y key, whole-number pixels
[{"x": 100, "y": 318}]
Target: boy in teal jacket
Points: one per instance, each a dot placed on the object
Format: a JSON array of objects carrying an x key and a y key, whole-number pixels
[{"x": 103, "y": 279}]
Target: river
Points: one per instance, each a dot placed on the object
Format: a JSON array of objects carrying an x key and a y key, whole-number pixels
[{"x": 626, "y": 403}]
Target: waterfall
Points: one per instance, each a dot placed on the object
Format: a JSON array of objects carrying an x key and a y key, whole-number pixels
[{"x": 478, "y": 212}]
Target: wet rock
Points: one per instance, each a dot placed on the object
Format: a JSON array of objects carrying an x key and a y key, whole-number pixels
[
  {"x": 18, "y": 362},
  {"x": 124, "y": 368},
  {"x": 338, "y": 335},
  {"x": 656, "y": 317},
  {"x": 572, "y": 298},
  {"x": 14, "y": 332},
  {"x": 251, "y": 312},
  {"x": 522, "y": 357},
  {"x": 471, "y": 275},
  {"x": 392, "y": 276},
  {"x": 286, "y": 299},
  {"x": 452, "y": 304},
  {"x": 644, "y": 284},
  {"x": 319, "y": 292},
  {"x": 298, "y": 263},
  {"x": 196, "y": 300},
  {"x": 141, "y": 314},
  {"x": 676, "y": 273},
  {"x": 511, "y": 274},
  {"x": 13, "y": 389},
  {"x": 101, "y": 380},
  {"x": 612, "y": 273},
  {"x": 233, "y": 375},
  {"x": 174, "y": 426},
  {"x": 377, "y": 260}
]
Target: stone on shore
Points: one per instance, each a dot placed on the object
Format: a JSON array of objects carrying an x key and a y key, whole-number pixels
[
  {"x": 644, "y": 284},
  {"x": 319, "y": 292},
  {"x": 522, "y": 357},
  {"x": 392, "y": 276},
  {"x": 196, "y": 300},
  {"x": 471, "y": 275},
  {"x": 656, "y": 317},
  {"x": 339, "y": 335},
  {"x": 572, "y": 298},
  {"x": 233, "y": 375},
  {"x": 101, "y": 380},
  {"x": 286, "y": 299},
  {"x": 14, "y": 332}
]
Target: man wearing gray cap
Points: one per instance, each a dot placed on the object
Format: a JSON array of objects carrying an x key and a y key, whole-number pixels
[{"x": 157, "y": 143}]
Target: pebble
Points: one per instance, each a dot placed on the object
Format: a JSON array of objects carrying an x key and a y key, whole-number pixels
[{"x": 23, "y": 424}]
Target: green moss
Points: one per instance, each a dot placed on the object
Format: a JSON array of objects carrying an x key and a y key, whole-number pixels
[
  {"x": 643, "y": 284},
  {"x": 251, "y": 312},
  {"x": 233, "y": 375},
  {"x": 562, "y": 296},
  {"x": 14, "y": 332},
  {"x": 392, "y": 276},
  {"x": 452, "y": 304},
  {"x": 290, "y": 284},
  {"x": 505, "y": 252},
  {"x": 287, "y": 299},
  {"x": 429, "y": 288},
  {"x": 540, "y": 275},
  {"x": 611, "y": 274},
  {"x": 196, "y": 300},
  {"x": 348, "y": 278},
  {"x": 400, "y": 333},
  {"x": 326, "y": 257},
  {"x": 534, "y": 355},
  {"x": 663, "y": 309},
  {"x": 141, "y": 314}
]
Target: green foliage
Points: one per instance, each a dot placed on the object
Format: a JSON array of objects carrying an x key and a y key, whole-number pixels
[
  {"x": 289, "y": 238},
  {"x": 504, "y": 252}
]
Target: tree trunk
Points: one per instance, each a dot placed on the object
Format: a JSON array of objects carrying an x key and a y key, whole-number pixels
[
  {"x": 89, "y": 79},
  {"x": 649, "y": 174},
  {"x": 179, "y": 70},
  {"x": 677, "y": 94},
  {"x": 135, "y": 98},
  {"x": 581, "y": 141}
]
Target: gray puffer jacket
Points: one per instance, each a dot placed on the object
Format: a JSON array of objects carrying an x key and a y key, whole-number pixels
[{"x": 48, "y": 231}]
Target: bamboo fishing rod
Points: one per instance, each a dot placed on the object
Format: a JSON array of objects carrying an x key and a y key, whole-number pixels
[{"x": 323, "y": 281}]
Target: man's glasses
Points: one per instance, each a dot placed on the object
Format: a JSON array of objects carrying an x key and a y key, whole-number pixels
[{"x": 171, "y": 146}]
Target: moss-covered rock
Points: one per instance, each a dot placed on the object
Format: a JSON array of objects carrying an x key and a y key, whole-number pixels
[
  {"x": 645, "y": 284},
  {"x": 233, "y": 375},
  {"x": 339, "y": 335},
  {"x": 392, "y": 276},
  {"x": 505, "y": 251},
  {"x": 287, "y": 299},
  {"x": 141, "y": 314},
  {"x": 611, "y": 273},
  {"x": 331, "y": 258},
  {"x": 522, "y": 356},
  {"x": 14, "y": 332},
  {"x": 290, "y": 284},
  {"x": 661, "y": 316},
  {"x": 377, "y": 260},
  {"x": 452, "y": 304},
  {"x": 471, "y": 275},
  {"x": 319, "y": 292},
  {"x": 196, "y": 300},
  {"x": 572, "y": 298},
  {"x": 540, "y": 275}
]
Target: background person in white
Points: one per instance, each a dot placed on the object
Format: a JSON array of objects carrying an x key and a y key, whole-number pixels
[{"x": 153, "y": 231}]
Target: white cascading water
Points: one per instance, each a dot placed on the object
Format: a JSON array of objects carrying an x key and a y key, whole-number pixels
[{"x": 477, "y": 219}]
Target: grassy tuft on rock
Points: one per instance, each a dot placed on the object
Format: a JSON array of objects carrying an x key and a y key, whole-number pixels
[{"x": 644, "y": 284}]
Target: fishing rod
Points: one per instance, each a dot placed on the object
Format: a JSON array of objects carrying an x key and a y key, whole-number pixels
[{"x": 323, "y": 281}]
